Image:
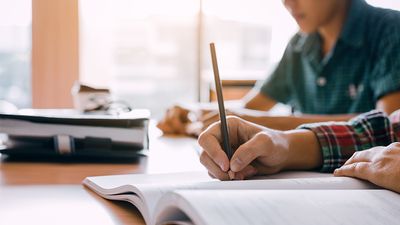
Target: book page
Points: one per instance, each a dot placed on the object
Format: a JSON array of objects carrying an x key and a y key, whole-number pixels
[
  {"x": 117, "y": 184},
  {"x": 151, "y": 187},
  {"x": 142, "y": 190},
  {"x": 325, "y": 182},
  {"x": 281, "y": 207}
]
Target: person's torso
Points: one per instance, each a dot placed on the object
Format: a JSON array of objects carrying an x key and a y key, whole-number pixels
[{"x": 339, "y": 82}]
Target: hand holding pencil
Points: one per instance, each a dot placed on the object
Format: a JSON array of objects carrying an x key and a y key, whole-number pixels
[
  {"x": 248, "y": 149},
  {"x": 217, "y": 159},
  {"x": 257, "y": 150}
]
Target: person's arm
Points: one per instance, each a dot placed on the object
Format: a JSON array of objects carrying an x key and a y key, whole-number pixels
[
  {"x": 258, "y": 150},
  {"x": 388, "y": 104},
  {"x": 322, "y": 146},
  {"x": 291, "y": 122},
  {"x": 255, "y": 100}
]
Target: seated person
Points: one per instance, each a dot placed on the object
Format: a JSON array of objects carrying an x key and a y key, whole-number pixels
[
  {"x": 366, "y": 147},
  {"x": 344, "y": 61}
]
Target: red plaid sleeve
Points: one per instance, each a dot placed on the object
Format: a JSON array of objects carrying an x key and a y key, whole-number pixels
[{"x": 339, "y": 140}]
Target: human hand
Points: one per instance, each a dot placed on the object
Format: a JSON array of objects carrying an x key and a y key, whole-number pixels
[
  {"x": 379, "y": 165},
  {"x": 204, "y": 120},
  {"x": 175, "y": 121},
  {"x": 258, "y": 150}
]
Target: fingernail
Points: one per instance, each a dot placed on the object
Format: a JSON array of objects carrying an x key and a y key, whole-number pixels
[
  {"x": 222, "y": 165},
  {"x": 237, "y": 163},
  {"x": 231, "y": 175},
  {"x": 336, "y": 171}
]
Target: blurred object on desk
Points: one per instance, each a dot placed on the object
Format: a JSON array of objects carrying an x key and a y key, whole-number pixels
[
  {"x": 7, "y": 107},
  {"x": 97, "y": 101},
  {"x": 51, "y": 132}
]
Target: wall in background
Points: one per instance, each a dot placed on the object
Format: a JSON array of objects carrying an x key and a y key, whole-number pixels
[{"x": 55, "y": 52}]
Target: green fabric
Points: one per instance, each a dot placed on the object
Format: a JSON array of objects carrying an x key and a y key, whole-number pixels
[{"x": 363, "y": 66}]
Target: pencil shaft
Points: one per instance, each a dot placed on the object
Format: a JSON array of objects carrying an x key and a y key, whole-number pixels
[{"x": 224, "y": 125}]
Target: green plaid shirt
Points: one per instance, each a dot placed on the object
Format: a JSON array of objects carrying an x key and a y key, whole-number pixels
[
  {"x": 339, "y": 140},
  {"x": 363, "y": 66}
]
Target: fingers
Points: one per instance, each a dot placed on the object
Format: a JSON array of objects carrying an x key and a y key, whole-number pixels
[
  {"x": 210, "y": 141},
  {"x": 211, "y": 145},
  {"x": 248, "y": 172},
  {"x": 211, "y": 175},
  {"x": 358, "y": 165},
  {"x": 249, "y": 151},
  {"x": 213, "y": 169},
  {"x": 174, "y": 121},
  {"x": 165, "y": 128},
  {"x": 365, "y": 155},
  {"x": 360, "y": 156},
  {"x": 362, "y": 170}
]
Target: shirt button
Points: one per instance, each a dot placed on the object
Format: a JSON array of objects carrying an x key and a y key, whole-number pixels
[{"x": 321, "y": 81}]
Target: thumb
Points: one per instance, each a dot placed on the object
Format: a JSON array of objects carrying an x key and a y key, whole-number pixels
[{"x": 249, "y": 151}]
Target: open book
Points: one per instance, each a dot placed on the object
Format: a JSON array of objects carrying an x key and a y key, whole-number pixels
[{"x": 286, "y": 198}]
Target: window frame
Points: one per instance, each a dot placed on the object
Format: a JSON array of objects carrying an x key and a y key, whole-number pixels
[{"x": 55, "y": 52}]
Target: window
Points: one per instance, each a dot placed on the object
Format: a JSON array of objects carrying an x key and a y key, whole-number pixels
[
  {"x": 147, "y": 51},
  {"x": 153, "y": 53},
  {"x": 15, "y": 51},
  {"x": 249, "y": 37},
  {"x": 390, "y": 4}
]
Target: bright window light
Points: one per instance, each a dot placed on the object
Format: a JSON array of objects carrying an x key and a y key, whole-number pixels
[{"x": 15, "y": 51}]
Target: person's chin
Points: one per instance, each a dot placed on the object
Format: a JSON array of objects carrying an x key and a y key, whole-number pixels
[{"x": 307, "y": 30}]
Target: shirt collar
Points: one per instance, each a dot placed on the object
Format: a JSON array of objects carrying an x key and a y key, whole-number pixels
[{"x": 311, "y": 44}]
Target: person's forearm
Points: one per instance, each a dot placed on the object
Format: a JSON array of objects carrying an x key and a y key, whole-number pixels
[
  {"x": 304, "y": 150},
  {"x": 256, "y": 101},
  {"x": 291, "y": 122}
]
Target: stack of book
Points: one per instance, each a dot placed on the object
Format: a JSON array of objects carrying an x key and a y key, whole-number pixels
[{"x": 68, "y": 133}]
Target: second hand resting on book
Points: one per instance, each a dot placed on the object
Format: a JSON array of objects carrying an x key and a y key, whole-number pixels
[{"x": 262, "y": 151}]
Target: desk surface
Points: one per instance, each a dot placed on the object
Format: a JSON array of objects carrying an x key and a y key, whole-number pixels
[{"x": 51, "y": 192}]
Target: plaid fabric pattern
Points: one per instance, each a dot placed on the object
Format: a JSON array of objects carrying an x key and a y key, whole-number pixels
[
  {"x": 338, "y": 141},
  {"x": 362, "y": 67}
]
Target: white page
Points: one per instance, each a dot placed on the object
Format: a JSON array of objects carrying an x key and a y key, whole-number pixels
[
  {"x": 151, "y": 187},
  {"x": 284, "y": 207},
  {"x": 142, "y": 190},
  {"x": 120, "y": 183},
  {"x": 152, "y": 192}
]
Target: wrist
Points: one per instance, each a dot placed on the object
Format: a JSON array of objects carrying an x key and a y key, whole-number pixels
[{"x": 304, "y": 151}]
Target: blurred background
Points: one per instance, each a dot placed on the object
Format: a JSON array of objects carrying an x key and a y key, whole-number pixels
[{"x": 151, "y": 53}]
